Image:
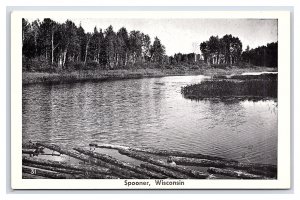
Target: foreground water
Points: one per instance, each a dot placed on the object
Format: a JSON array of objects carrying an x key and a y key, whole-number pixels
[{"x": 151, "y": 113}]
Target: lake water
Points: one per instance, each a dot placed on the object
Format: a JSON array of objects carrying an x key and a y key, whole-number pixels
[{"x": 150, "y": 112}]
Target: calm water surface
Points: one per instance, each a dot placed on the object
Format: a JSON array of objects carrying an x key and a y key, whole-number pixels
[{"x": 150, "y": 113}]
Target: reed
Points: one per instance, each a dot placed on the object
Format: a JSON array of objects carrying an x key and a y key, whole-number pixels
[{"x": 241, "y": 87}]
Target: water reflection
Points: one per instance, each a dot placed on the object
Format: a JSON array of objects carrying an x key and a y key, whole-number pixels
[{"x": 152, "y": 113}]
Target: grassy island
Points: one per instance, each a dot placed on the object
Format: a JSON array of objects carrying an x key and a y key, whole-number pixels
[{"x": 242, "y": 87}]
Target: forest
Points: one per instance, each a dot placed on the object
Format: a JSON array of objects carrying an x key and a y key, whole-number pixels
[
  {"x": 228, "y": 50},
  {"x": 49, "y": 46}
]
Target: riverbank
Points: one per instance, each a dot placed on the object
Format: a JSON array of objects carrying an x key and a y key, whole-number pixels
[{"x": 105, "y": 75}]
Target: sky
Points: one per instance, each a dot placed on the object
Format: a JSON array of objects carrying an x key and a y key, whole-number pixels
[{"x": 185, "y": 35}]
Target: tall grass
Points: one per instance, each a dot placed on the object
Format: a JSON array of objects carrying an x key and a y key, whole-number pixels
[{"x": 242, "y": 87}]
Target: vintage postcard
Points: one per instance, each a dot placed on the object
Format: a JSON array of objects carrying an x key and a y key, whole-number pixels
[{"x": 150, "y": 100}]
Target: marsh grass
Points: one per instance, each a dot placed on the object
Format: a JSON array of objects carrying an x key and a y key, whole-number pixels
[
  {"x": 73, "y": 76},
  {"x": 87, "y": 75},
  {"x": 240, "y": 87}
]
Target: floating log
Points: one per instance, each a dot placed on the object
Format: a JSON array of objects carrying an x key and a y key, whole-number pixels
[
  {"x": 29, "y": 145},
  {"x": 169, "y": 173},
  {"x": 116, "y": 170},
  {"x": 33, "y": 152},
  {"x": 63, "y": 151},
  {"x": 234, "y": 173},
  {"x": 224, "y": 164},
  {"x": 82, "y": 168},
  {"x": 269, "y": 174},
  {"x": 43, "y": 173},
  {"x": 113, "y": 161},
  {"x": 50, "y": 154},
  {"x": 146, "y": 158},
  {"x": 70, "y": 173},
  {"x": 28, "y": 151},
  {"x": 160, "y": 152},
  {"x": 56, "y": 169}
]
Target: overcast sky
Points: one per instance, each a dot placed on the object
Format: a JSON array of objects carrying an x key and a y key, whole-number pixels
[{"x": 185, "y": 35}]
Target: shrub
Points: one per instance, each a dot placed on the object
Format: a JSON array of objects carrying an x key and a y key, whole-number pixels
[
  {"x": 71, "y": 66},
  {"x": 92, "y": 65},
  {"x": 38, "y": 64},
  {"x": 220, "y": 66}
]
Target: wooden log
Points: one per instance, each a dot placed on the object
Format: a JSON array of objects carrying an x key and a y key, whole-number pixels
[
  {"x": 69, "y": 173},
  {"x": 73, "y": 174},
  {"x": 234, "y": 173},
  {"x": 127, "y": 166},
  {"x": 169, "y": 173},
  {"x": 29, "y": 145},
  {"x": 50, "y": 154},
  {"x": 101, "y": 176},
  {"x": 269, "y": 174},
  {"x": 140, "y": 156},
  {"x": 115, "y": 170},
  {"x": 30, "y": 176},
  {"x": 63, "y": 151},
  {"x": 33, "y": 152},
  {"x": 28, "y": 151},
  {"x": 82, "y": 168},
  {"x": 55, "y": 169},
  {"x": 160, "y": 152},
  {"x": 224, "y": 164},
  {"x": 48, "y": 174}
]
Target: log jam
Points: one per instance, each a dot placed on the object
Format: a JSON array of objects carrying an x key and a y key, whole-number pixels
[
  {"x": 234, "y": 173},
  {"x": 140, "y": 156},
  {"x": 127, "y": 166}
]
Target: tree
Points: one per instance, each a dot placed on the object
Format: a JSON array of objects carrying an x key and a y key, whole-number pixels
[
  {"x": 69, "y": 46},
  {"x": 28, "y": 45},
  {"x": 35, "y": 26},
  {"x": 146, "y": 43},
  {"x": 87, "y": 43},
  {"x": 157, "y": 51},
  {"x": 135, "y": 45},
  {"x": 47, "y": 30},
  {"x": 122, "y": 46},
  {"x": 49, "y": 43},
  {"x": 83, "y": 42},
  {"x": 110, "y": 46},
  {"x": 262, "y": 55},
  {"x": 205, "y": 51},
  {"x": 95, "y": 45},
  {"x": 214, "y": 46},
  {"x": 228, "y": 46}
]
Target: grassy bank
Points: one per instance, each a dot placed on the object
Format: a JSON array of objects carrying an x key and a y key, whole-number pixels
[
  {"x": 236, "y": 87},
  {"x": 103, "y": 75}
]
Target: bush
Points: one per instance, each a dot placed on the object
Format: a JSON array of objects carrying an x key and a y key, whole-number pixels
[
  {"x": 38, "y": 64},
  {"x": 245, "y": 65},
  {"x": 220, "y": 66},
  {"x": 71, "y": 66},
  {"x": 91, "y": 65}
]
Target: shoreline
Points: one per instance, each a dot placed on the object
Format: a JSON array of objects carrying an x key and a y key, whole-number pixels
[{"x": 111, "y": 75}]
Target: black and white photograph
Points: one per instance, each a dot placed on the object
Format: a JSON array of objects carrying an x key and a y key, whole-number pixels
[{"x": 149, "y": 101}]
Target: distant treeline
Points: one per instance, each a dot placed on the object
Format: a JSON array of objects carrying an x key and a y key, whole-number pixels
[
  {"x": 51, "y": 46},
  {"x": 262, "y": 56},
  {"x": 228, "y": 50}
]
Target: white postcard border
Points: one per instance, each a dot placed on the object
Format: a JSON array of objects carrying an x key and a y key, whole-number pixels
[{"x": 283, "y": 181}]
